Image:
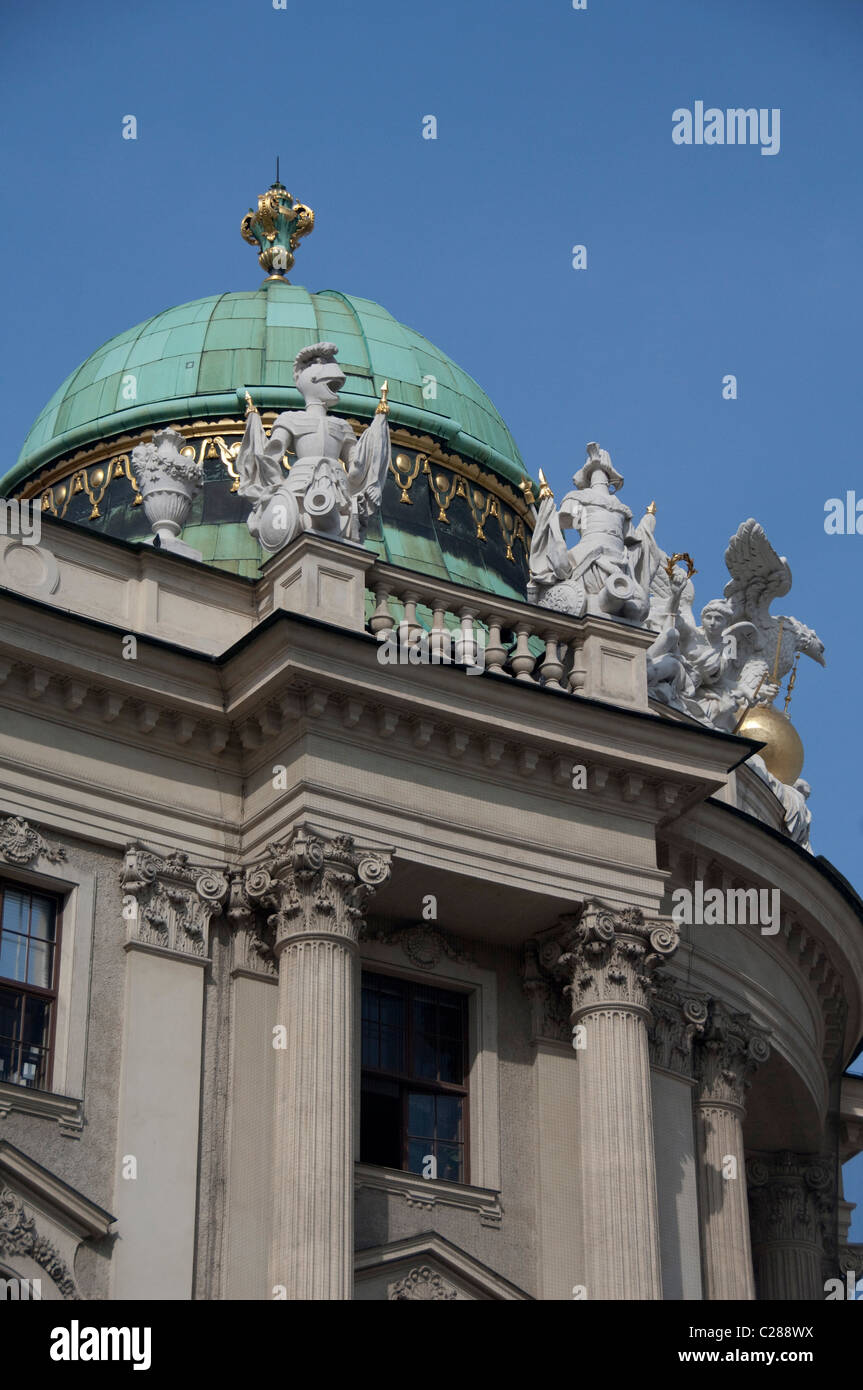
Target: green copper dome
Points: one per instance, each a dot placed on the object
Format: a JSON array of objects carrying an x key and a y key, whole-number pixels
[
  {"x": 452, "y": 506},
  {"x": 193, "y": 360}
]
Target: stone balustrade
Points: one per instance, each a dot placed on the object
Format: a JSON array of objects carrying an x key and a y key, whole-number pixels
[{"x": 590, "y": 656}]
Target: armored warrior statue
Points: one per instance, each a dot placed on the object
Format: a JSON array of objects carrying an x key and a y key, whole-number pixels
[
  {"x": 609, "y": 571},
  {"x": 336, "y": 483}
]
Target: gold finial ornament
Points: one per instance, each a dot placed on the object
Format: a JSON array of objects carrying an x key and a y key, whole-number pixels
[
  {"x": 544, "y": 489},
  {"x": 383, "y": 406},
  {"x": 651, "y": 510},
  {"x": 783, "y": 751},
  {"x": 526, "y": 486},
  {"x": 276, "y": 228},
  {"x": 250, "y": 405}
]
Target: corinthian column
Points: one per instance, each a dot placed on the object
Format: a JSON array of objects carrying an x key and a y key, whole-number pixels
[
  {"x": 608, "y": 960},
  {"x": 318, "y": 886},
  {"x": 725, "y": 1059},
  {"x": 792, "y": 1199}
]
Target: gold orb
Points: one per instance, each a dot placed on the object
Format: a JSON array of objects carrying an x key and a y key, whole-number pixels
[{"x": 783, "y": 753}]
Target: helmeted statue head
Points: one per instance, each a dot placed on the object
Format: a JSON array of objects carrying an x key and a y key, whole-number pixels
[
  {"x": 317, "y": 374},
  {"x": 598, "y": 462}
]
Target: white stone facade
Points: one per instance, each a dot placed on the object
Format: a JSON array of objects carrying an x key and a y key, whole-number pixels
[{"x": 244, "y": 809}]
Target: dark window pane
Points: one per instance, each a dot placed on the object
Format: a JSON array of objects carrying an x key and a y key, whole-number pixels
[
  {"x": 419, "y": 1151},
  {"x": 42, "y": 918},
  {"x": 32, "y": 1067},
  {"x": 449, "y": 1162},
  {"x": 370, "y": 1005},
  {"x": 392, "y": 1011},
  {"x": 37, "y": 1020},
  {"x": 40, "y": 963},
  {"x": 13, "y": 956},
  {"x": 421, "y": 1115},
  {"x": 425, "y": 1058},
  {"x": 448, "y": 1117},
  {"x": 450, "y": 1018},
  {"x": 450, "y": 1061},
  {"x": 16, "y": 910},
  {"x": 8, "y": 1060},
  {"x": 380, "y": 1127},
  {"x": 10, "y": 1013},
  {"x": 425, "y": 1016},
  {"x": 371, "y": 1045},
  {"x": 391, "y": 1050}
]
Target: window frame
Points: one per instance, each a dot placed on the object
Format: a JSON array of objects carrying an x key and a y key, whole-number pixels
[
  {"x": 407, "y": 1083},
  {"x": 51, "y": 994}
]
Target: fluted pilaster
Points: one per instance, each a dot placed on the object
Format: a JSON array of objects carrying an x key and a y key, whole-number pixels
[
  {"x": 608, "y": 961},
  {"x": 318, "y": 886},
  {"x": 725, "y": 1058},
  {"x": 791, "y": 1199}
]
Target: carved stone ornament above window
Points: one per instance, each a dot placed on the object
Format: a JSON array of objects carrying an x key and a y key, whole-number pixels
[
  {"x": 19, "y": 1236},
  {"x": 20, "y": 843},
  {"x": 424, "y": 946},
  {"x": 422, "y": 1283}
]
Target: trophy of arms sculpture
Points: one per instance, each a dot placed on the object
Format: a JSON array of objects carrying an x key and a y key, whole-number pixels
[{"x": 335, "y": 485}]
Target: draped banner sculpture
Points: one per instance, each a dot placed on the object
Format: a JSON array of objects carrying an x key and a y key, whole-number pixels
[{"x": 336, "y": 483}]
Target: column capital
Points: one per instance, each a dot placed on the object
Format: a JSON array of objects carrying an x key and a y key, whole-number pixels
[
  {"x": 168, "y": 902},
  {"x": 315, "y": 884},
  {"x": 610, "y": 956},
  {"x": 791, "y": 1197},
  {"x": 729, "y": 1050},
  {"x": 679, "y": 1017}
]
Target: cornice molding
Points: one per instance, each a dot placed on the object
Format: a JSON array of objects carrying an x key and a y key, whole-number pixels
[
  {"x": 70, "y": 1207},
  {"x": 424, "y": 1194},
  {"x": 796, "y": 940},
  {"x": 66, "y": 1110}
]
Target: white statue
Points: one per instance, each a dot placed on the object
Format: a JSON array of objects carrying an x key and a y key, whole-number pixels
[
  {"x": 608, "y": 572},
  {"x": 336, "y": 483},
  {"x": 798, "y": 817},
  {"x": 758, "y": 576},
  {"x": 739, "y": 654}
]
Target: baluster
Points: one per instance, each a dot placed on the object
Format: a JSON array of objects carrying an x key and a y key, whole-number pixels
[
  {"x": 578, "y": 673},
  {"x": 440, "y": 650},
  {"x": 466, "y": 653},
  {"x": 382, "y": 619},
  {"x": 552, "y": 666},
  {"x": 522, "y": 662},
  {"x": 495, "y": 651}
]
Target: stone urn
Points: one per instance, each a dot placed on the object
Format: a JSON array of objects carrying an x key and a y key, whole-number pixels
[{"x": 168, "y": 481}]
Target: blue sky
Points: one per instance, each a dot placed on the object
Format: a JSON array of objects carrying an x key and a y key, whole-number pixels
[{"x": 554, "y": 129}]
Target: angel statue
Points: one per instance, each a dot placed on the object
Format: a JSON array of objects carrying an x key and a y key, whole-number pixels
[
  {"x": 336, "y": 482},
  {"x": 609, "y": 571}
]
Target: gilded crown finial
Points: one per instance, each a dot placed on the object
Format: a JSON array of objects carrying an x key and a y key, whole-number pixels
[{"x": 276, "y": 228}]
